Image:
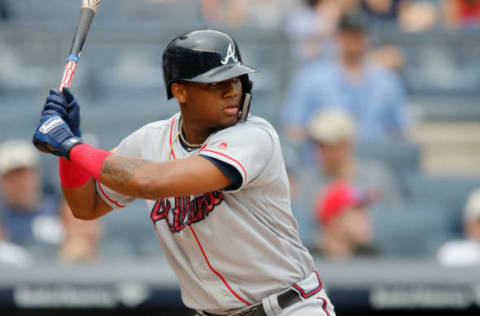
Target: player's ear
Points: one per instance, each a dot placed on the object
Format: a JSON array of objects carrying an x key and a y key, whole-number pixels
[{"x": 179, "y": 92}]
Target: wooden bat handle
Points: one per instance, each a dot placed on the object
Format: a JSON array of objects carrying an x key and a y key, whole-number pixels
[{"x": 87, "y": 13}]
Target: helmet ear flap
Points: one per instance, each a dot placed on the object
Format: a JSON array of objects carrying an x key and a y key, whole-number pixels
[
  {"x": 247, "y": 85},
  {"x": 247, "y": 99},
  {"x": 169, "y": 92}
]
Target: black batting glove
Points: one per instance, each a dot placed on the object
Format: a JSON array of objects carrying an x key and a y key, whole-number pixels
[{"x": 66, "y": 106}]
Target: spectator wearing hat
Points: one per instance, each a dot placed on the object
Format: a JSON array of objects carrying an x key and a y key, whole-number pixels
[
  {"x": 347, "y": 231},
  {"x": 372, "y": 94},
  {"x": 332, "y": 134},
  {"x": 29, "y": 217},
  {"x": 461, "y": 13},
  {"x": 467, "y": 251},
  {"x": 36, "y": 221}
]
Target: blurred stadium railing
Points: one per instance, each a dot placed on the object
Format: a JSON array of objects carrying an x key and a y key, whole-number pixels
[{"x": 150, "y": 287}]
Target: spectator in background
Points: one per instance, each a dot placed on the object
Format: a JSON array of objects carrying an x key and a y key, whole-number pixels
[
  {"x": 372, "y": 94},
  {"x": 332, "y": 133},
  {"x": 347, "y": 231},
  {"x": 462, "y": 13},
  {"x": 389, "y": 56},
  {"x": 265, "y": 14},
  {"x": 301, "y": 211},
  {"x": 5, "y": 13},
  {"x": 82, "y": 238},
  {"x": 29, "y": 218},
  {"x": 311, "y": 29},
  {"x": 11, "y": 254},
  {"x": 418, "y": 16},
  {"x": 32, "y": 223},
  {"x": 465, "y": 252},
  {"x": 214, "y": 11},
  {"x": 406, "y": 15},
  {"x": 384, "y": 11}
]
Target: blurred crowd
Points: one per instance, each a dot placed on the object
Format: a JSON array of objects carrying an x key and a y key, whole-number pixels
[
  {"x": 33, "y": 222},
  {"x": 346, "y": 133}
]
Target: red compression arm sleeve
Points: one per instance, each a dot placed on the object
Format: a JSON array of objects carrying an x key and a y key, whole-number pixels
[
  {"x": 89, "y": 158},
  {"x": 71, "y": 175}
]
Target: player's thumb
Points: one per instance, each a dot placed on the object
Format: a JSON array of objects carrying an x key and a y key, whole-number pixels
[{"x": 68, "y": 96}]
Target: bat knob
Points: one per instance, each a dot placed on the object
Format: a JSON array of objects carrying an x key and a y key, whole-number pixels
[{"x": 44, "y": 147}]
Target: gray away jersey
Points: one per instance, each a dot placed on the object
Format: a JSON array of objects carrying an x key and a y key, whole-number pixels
[{"x": 228, "y": 249}]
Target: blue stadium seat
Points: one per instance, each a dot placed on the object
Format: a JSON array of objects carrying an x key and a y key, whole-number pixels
[
  {"x": 399, "y": 156},
  {"x": 449, "y": 191},
  {"x": 413, "y": 230}
]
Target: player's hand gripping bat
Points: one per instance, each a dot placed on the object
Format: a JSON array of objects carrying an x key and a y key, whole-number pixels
[{"x": 87, "y": 13}]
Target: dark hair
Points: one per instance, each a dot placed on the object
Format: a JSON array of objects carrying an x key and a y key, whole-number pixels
[
  {"x": 353, "y": 21},
  {"x": 312, "y": 3}
]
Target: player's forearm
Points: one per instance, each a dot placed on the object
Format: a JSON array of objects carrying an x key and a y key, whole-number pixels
[
  {"x": 79, "y": 190},
  {"x": 136, "y": 177},
  {"x": 157, "y": 180},
  {"x": 128, "y": 175},
  {"x": 83, "y": 201},
  {"x": 139, "y": 178}
]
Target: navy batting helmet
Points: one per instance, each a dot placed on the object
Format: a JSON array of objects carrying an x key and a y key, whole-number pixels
[{"x": 206, "y": 56}]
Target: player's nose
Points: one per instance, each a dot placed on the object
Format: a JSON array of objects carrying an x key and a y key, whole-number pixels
[{"x": 233, "y": 88}]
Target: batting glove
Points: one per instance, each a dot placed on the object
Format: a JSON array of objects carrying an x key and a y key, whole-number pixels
[
  {"x": 66, "y": 106},
  {"x": 54, "y": 136}
]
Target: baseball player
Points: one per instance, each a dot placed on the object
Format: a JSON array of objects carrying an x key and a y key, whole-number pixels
[{"x": 214, "y": 181}]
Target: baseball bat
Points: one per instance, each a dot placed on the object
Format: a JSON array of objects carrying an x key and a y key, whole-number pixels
[{"x": 87, "y": 13}]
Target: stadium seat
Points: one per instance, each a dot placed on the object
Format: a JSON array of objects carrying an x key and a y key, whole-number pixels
[
  {"x": 449, "y": 191},
  {"x": 401, "y": 157},
  {"x": 413, "y": 230}
]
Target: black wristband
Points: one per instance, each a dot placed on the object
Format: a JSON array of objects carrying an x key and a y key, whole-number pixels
[{"x": 69, "y": 143}]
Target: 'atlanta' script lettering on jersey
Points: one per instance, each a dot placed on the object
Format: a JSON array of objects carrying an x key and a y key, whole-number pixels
[{"x": 186, "y": 211}]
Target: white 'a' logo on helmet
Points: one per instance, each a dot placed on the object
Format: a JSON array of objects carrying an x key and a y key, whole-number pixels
[{"x": 230, "y": 54}]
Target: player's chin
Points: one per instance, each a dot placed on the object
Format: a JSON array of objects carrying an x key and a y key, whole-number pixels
[{"x": 227, "y": 121}]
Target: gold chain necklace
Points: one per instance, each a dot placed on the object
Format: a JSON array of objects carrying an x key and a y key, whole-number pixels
[
  {"x": 179, "y": 134},
  {"x": 183, "y": 138}
]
